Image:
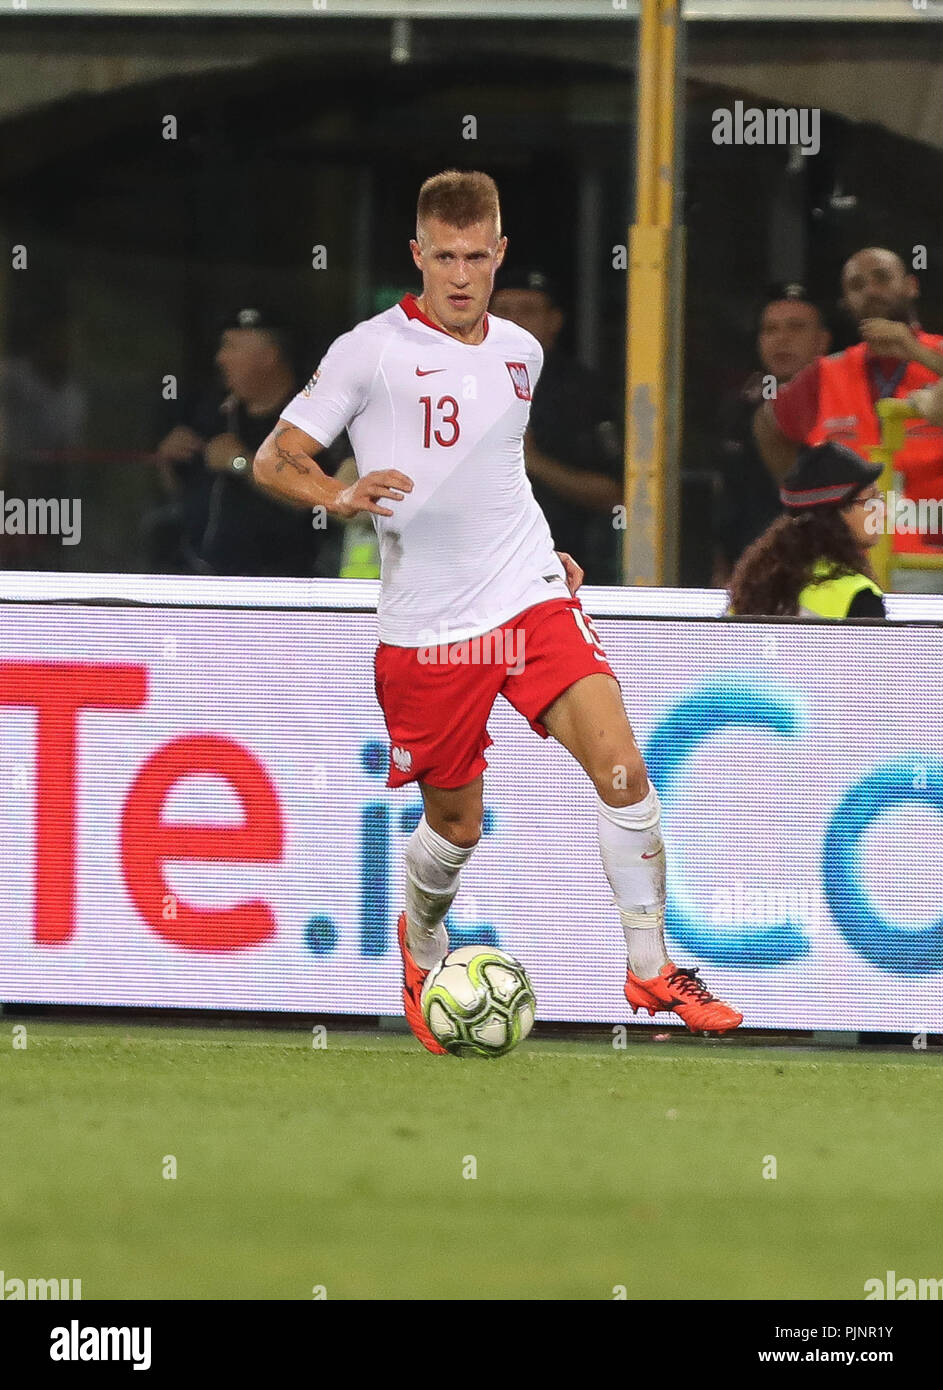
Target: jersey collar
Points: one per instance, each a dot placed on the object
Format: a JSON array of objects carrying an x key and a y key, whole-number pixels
[{"x": 412, "y": 311}]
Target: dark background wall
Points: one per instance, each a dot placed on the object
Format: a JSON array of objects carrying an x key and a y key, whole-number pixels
[{"x": 290, "y": 136}]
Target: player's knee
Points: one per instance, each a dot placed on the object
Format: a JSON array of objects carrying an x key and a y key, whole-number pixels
[
  {"x": 621, "y": 780},
  {"x": 465, "y": 835},
  {"x": 462, "y": 829}
]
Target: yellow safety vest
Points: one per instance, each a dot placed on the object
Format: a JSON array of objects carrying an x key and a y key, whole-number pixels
[
  {"x": 360, "y": 556},
  {"x": 361, "y": 563},
  {"x": 831, "y": 598}
]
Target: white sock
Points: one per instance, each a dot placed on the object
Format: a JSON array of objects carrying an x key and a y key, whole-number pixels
[
  {"x": 633, "y": 856},
  {"x": 433, "y": 865}
]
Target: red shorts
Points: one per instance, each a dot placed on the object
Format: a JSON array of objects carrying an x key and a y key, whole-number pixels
[{"x": 436, "y": 700}]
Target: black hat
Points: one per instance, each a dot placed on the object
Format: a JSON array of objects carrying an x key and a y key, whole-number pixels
[
  {"x": 826, "y": 475},
  {"x": 528, "y": 278},
  {"x": 787, "y": 289},
  {"x": 285, "y": 332},
  {"x": 253, "y": 317}
]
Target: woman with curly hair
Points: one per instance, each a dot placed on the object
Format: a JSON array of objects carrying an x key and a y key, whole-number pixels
[{"x": 813, "y": 561}]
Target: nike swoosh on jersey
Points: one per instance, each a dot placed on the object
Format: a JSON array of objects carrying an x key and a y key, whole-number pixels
[{"x": 431, "y": 372}]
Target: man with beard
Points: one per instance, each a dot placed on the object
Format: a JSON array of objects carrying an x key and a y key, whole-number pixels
[{"x": 834, "y": 397}]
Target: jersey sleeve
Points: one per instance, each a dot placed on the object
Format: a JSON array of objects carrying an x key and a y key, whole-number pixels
[
  {"x": 337, "y": 391},
  {"x": 538, "y": 366}
]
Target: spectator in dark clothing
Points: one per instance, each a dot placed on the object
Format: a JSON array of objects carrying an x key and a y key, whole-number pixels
[
  {"x": 791, "y": 334},
  {"x": 43, "y": 411},
  {"x": 573, "y": 447},
  {"x": 219, "y": 521}
]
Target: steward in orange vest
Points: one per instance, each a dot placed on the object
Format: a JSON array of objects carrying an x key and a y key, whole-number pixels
[
  {"x": 846, "y": 415},
  {"x": 833, "y": 399}
]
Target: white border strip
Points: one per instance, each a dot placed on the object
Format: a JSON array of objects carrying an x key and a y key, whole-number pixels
[
  {"x": 855, "y": 11},
  {"x": 200, "y": 591}
]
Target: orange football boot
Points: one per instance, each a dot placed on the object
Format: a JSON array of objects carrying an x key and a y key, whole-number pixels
[
  {"x": 684, "y": 993},
  {"x": 413, "y": 980}
]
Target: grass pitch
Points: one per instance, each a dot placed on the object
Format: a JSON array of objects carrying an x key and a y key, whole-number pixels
[{"x": 345, "y": 1167}]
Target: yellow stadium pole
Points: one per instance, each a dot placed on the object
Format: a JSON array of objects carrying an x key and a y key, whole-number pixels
[
  {"x": 892, "y": 412},
  {"x": 648, "y": 317},
  {"x": 666, "y": 107},
  {"x": 669, "y": 173}
]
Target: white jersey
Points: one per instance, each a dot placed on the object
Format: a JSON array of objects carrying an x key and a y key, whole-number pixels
[{"x": 469, "y": 547}]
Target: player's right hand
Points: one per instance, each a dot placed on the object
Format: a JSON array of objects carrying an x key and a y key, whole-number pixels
[{"x": 363, "y": 495}]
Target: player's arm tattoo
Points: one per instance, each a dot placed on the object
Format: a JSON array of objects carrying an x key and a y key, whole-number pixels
[{"x": 299, "y": 462}]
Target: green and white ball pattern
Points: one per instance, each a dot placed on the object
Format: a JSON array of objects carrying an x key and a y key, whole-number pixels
[{"x": 478, "y": 1002}]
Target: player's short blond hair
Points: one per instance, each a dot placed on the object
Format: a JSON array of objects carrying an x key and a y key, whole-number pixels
[{"x": 459, "y": 197}]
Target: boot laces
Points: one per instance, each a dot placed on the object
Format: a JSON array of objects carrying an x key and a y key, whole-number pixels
[{"x": 687, "y": 982}]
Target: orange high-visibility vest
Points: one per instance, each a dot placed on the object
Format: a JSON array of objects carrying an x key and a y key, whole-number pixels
[{"x": 847, "y": 415}]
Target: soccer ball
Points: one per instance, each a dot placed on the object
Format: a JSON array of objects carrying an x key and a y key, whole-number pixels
[{"x": 478, "y": 1002}]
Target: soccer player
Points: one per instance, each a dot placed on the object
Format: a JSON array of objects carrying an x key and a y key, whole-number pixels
[{"x": 435, "y": 395}]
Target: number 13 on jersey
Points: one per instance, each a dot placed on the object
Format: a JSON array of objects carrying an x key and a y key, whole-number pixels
[{"x": 445, "y": 416}]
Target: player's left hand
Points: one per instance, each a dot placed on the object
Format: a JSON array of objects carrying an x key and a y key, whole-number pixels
[
  {"x": 574, "y": 575},
  {"x": 887, "y": 338},
  {"x": 221, "y": 450}
]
